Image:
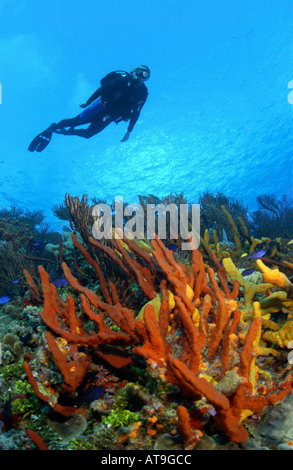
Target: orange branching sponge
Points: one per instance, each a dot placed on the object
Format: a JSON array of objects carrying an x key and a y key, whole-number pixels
[
  {"x": 196, "y": 387},
  {"x": 189, "y": 436},
  {"x": 199, "y": 343},
  {"x": 36, "y": 439},
  {"x": 175, "y": 272},
  {"x": 34, "y": 291},
  {"x": 164, "y": 315},
  {"x": 130, "y": 265},
  {"x": 153, "y": 348},
  {"x": 112, "y": 254},
  {"x": 183, "y": 423},
  {"x": 61, "y": 318},
  {"x": 57, "y": 318},
  {"x": 64, "y": 410},
  {"x": 246, "y": 353},
  {"x": 73, "y": 371},
  {"x": 221, "y": 320},
  {"x": 194, "y": 338}
]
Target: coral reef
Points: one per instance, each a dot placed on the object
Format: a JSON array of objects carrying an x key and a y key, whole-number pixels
[
  {"x": 23, "y": 235},
  {"x": 146, "y": 348},
  {"x": 201, "y": 346}
]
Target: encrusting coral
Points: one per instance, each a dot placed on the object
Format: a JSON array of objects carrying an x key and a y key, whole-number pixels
[{"x": 193, "y": 337}]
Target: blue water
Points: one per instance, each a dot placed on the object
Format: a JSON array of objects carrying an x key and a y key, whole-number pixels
[{"x": 217, "y": 117}]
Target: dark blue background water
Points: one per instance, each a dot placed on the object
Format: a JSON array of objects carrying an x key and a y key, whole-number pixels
[{"x": 217, "y": 117}]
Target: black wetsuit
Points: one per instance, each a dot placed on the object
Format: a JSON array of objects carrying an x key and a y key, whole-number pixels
[{"x": 120, "y": 99}]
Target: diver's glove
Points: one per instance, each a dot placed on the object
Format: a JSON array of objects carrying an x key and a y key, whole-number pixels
[{"x": 126, "y": 137}]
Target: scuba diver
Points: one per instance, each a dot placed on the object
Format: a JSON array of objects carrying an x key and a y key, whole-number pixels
[{"x": 120, "y": 97}]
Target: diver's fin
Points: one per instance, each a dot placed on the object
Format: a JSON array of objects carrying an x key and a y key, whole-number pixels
[{"x": 40, "y": 142}]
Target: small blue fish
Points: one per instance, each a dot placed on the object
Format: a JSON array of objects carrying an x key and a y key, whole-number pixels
[
  {"x": 38, "y": 246},
  {"x": 257, "y": 254},
  {"x": 172, "y": 247},
  {"x": 4, "y": 299},
  {"x": 60, "y": 282},
  {"x": 14, "y": 282},
  {"x": 91, "y": 394},
  {"x": 247, "y": 272}
]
